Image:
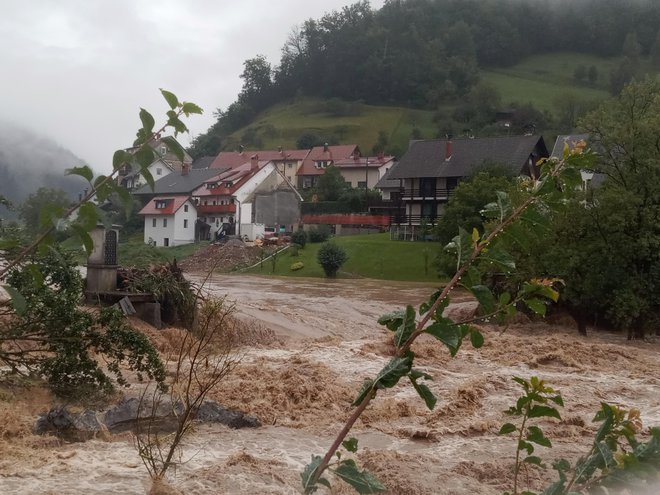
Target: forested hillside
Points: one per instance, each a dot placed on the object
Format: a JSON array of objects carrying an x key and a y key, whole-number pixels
[{"x": 429, "y": 54}]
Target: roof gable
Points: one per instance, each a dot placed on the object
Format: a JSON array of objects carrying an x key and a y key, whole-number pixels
[
  {"x": 177, "y": 183},
  {"x": 428, "y": 158},
  {"x": 162, "y": 205}
]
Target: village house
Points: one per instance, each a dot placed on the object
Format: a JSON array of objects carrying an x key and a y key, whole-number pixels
[
  {"x": 321, "y": 157},
  {"x": 430, "y": 170},
  {"x": 169, "y": 221},
  {"x": 288, "y": 162},
  {"x": 364, "y": 171},
  {"x": 166, "y": 162},
  {"x": 245, "y": 199}
]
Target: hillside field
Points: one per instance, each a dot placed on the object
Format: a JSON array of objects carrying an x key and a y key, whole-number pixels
[{"x": 541, "y": 80}]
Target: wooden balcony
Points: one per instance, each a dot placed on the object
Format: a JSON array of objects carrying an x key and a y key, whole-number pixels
[
  {"x": 208, "y": 209},
  {"x": 425, "y": 193}
]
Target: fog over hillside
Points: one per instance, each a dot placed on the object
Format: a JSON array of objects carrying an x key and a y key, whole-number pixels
[{"x": 29, "y": 161}]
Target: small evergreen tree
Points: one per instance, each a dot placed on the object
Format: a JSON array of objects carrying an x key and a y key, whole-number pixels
[{"x": 331, "y": 257}]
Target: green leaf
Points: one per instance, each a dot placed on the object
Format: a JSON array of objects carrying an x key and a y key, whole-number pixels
[
  {"x": 536, "y": 305},
  {"x": 393, "y": 371},
  {"x": 535, "y": 434},
  {"x": 392, "y": 320},
  {"x": 83, "y": 171},
  {"x": 499, "y": 257},
  {"x": 426, "y": 306},
  {"x": 406, "y": 328},
  {"x": 543, "y": 412},
  {"x": 189, "y": 108},
  {"x": 148, "y": 177},
  {"x": 361, "y": 481},
  {"x": 504, "y": 204},
  {"x": 125, "y": 199},
  {"x": 351, "y": 444},
  {"x": 35, "y": 273},
  {"x": 87, "y": 215},
  {"x": 85, "y": 238},
  {"x": 174, "y": 122},
  {"x": 103, "y": 187},
  {"x": 174, "y": 147},
  {"x": 532, "y": 459},
  {"x": 308, "y": 474},
  {"x": 121, "y": 158},
  {"x": 148, "y": 121},
  {"x": 18, "y": 302},
  {"x": 422, "y": 390},
  {"x": 170, "y": 98},
  {"x": 485, "y": 297},
  {"x": 366, "y": 389},
  {"x": 447, "y": 333},
  {"x": 145, "y": 156},
  {"x": 523, "y": 445},
  {"x": 477, "y": 339},
  {"x": 507, "y": 428}
]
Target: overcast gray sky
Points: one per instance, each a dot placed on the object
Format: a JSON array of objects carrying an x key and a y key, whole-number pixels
[{"x": 78, "y": 70}]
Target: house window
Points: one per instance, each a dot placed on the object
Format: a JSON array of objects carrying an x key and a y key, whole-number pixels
[
  {"x": 166, "y": 241},
  {"x": 159, "y": 171},
  {"x": 153, "y": 223},
  {"x": 213, "y": 202},
  {"x": 161, "y": 204},
  {"x": 289, "y": 165},
  {"x": 163, "y": 149},
  {"x": 228, "y": 184},
  {"x": 185, "y": 223},
  {"x": 362, "y": 184},
  {"x": 212, "y": 219},
  {"x": 427, "y": 186},
  {"x": 164, "y": 222},
  {"x": 185, "y": 208}
]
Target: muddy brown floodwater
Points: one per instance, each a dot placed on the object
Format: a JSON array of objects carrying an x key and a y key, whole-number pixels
[{"x": 302, "y": 386}]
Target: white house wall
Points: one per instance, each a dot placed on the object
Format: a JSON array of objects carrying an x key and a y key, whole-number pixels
[
  {"x": 175, "y": 230},
  {"x": 153, "y": 169},
  {"x": 184, "y": 234},
  {"x": 158, "y": 233}
]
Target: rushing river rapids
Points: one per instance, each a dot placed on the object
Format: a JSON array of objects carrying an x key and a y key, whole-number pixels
[{"x": 301, "y": 387}]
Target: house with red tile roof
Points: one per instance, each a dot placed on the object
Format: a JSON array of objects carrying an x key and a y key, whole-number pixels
[
  {"x": 169, "y": 220},
  {"x": 320, "y": 158},
  {"x": 364, "y": 171},
  {"x": 238, "y": 199},
  {"x": 288, "y": 162}
]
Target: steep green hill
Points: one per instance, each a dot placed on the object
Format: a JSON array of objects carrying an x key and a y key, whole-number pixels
[
  {"x": 541, "y": 80},
  {"x": 284, "y": 123},
  {"x": 544, "y": 79}
]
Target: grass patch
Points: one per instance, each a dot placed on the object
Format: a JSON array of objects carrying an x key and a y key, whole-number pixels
[
  {"x": 369, "y": 256},
  {"x": 544, "y": 79},
  {"x": 136, "y": 253}
]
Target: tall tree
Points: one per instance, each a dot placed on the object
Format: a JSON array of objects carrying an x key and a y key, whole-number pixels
[{"x": 46, "y": 199}]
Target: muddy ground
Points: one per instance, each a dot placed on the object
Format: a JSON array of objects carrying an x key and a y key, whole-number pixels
[{"x": 301, "y": 383}]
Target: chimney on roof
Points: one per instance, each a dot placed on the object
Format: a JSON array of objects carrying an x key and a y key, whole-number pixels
[
  {"x": 185, "y": 169},
  {"x": 448, "y": 148},
  {"x": 325, "y": 146},
  {"x": 381, "y": 155},
  {"x": 254, "y": 162}
]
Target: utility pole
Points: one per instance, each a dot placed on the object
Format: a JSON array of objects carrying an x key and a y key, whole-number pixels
[{"x": 366, "y": 184}]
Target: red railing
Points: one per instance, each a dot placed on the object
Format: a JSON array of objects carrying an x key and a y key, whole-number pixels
[
  {"x": 349, "y": 219},
  {"x": 205, "y": 209}
]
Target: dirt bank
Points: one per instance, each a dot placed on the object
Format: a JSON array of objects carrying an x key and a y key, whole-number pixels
[{"x": 301, "y": 385}]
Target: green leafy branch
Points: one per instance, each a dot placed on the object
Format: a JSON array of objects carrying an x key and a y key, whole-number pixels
[
  {"x": 538, "y": 401},
  {"x": 89, "y": 214},
  {"x": 556, "y": 177},
  {"x": 616, "y": 459}
]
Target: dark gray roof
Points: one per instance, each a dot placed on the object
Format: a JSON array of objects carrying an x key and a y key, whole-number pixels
[
  {"x": 175, "y": 183},
  {"x": 385, "y": 182},
  {"x": 570, "y": 139},
  {"x": 203, "y": 162},
  {"x": 427, "y": 158}
]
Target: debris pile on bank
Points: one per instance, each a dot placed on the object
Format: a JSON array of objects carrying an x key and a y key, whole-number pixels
[{"x": 226, "y": 257}]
